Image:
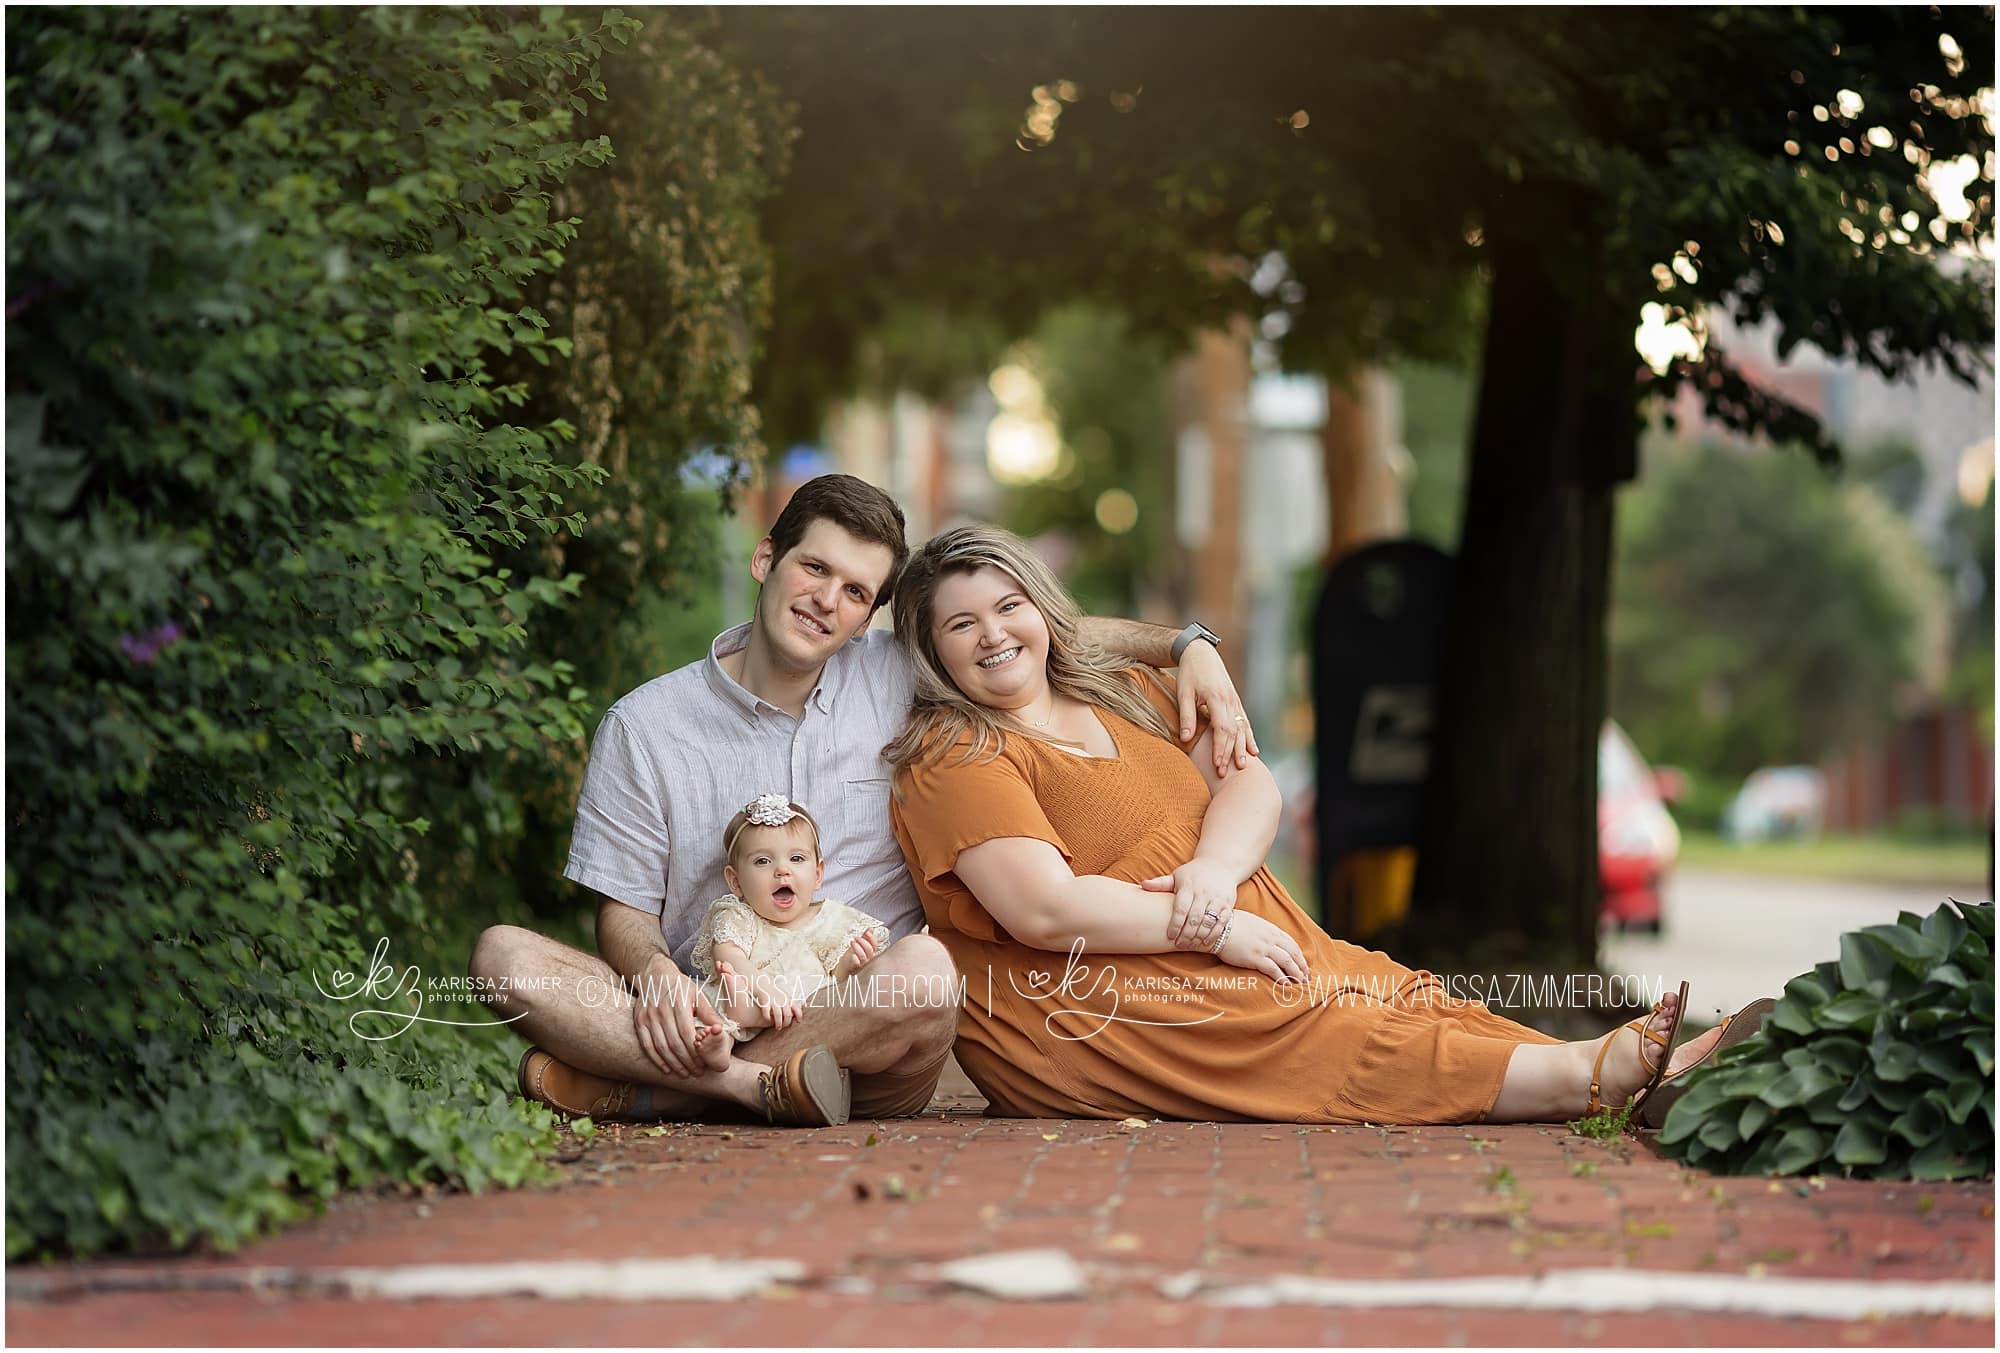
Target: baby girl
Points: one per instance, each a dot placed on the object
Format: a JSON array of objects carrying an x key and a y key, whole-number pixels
[{"x": 768, "y": 946}]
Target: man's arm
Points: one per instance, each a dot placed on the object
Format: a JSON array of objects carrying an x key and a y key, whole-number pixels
[
  {"x": 630, "y": 941},
  {"x": 1134, "y": 639},
  {"x": 1205, "y": 687},
  {"x": 667, "y": 1006}
]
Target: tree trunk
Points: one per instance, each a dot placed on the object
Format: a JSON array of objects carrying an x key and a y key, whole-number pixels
[
  {"x": 1364, "y": 497},
  {"x": 1507, "y": 870},
  {"x": 1222, "y": 375}
]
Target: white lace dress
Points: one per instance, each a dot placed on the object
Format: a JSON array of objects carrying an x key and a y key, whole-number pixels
[{"x": 799, "y": 958}]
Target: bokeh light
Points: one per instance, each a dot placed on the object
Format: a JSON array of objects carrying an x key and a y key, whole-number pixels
[
  {"x": 1117, "y": 511},
  {"x": 1021, "y": 450},
  {"x": 1016, "y": 388},
  {"x": 1947, "y": 181},
  {"x": 1663, "y": 336}
]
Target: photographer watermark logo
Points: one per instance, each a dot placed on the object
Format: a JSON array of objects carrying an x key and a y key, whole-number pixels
[
  {"x": 384, "y": 985},
  {"x": 1078, "y": 985}
]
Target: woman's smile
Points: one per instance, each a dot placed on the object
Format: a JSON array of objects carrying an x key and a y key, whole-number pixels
[{"x": 992, "y": 641}]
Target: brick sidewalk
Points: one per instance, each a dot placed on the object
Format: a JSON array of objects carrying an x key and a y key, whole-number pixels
[{"x": 1170, "y": 1233}]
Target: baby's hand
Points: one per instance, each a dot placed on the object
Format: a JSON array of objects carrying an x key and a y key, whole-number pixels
[
  {"x": 859, "y": 953},
  {"x": 778, "y": 1008}
]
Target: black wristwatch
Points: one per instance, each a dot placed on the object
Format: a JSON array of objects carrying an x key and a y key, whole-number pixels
[{"x": 1187, "y": 636}]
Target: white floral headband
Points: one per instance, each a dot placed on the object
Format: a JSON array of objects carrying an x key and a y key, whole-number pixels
[{"x": 769, "y": 810}]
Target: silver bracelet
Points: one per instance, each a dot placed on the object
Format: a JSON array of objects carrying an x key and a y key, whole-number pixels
[{"x": 1223, "y": 938}]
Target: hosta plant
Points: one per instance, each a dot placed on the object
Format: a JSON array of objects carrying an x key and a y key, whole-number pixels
[{"x": 1879, "y": 1065}]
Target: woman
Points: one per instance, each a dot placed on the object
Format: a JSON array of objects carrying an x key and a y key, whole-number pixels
[{"x": 1105, "y": 896}]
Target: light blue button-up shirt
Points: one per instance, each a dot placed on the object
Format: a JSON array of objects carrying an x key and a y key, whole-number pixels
[{"x": 675, "y": 759}]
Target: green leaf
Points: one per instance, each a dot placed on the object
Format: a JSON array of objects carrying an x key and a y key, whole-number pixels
[
  {"x": 1792, "y": 1015},
  {"x": 1799, "y": 1148},
  {"x": 1919, "y": 1124},
  {"x": 1945, "y": 929},
  {"x": 1866, "y": 964},
  {"x": 1962, "y": 1097},
  {"x": 1860, "y": 1142},
  {"x": 1798, "y": 1085},
  {"x": 1851, "y": 1009},
  {"x": 1840, "y": 1056},
  {"x": 1718, "y": 1134},
  {"x": 1941, "y": 1160},
  {"x": 1894, "y": 1061},
  {"x": 1910, "y": 946},
  {"x": 1752, "y": 1120},
  {"x": 1809, "y": 990}
]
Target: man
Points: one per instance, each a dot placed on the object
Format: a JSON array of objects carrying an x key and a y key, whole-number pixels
[{"x": 799, "y": 702}]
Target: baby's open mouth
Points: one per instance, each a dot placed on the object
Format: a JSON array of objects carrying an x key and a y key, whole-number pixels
[{"x": 781, "y": 894}]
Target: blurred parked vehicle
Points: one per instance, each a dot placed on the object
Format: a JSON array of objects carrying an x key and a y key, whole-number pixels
[
  {"x": 1637, "y": 841},
  {"x": 1777, "y": 802}
]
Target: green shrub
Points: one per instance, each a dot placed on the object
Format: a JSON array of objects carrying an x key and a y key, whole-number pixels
[
  {"x": 664, "y": 294},
  {"x": 1878, "y": 1065},
  {"x": 259, "y": 265}
]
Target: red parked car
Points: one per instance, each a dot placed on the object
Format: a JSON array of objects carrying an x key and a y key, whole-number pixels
[{"x": 1637, "y": 841}]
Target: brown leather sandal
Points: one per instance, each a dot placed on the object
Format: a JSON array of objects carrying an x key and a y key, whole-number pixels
[
  {"x": 1655, "y": 1071},
  {"x": 1735, "y": 1029}
]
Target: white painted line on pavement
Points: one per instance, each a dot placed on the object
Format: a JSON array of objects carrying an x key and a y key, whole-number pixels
[
  {"x": 1624, "y": 1289},
  {"x": 1052, "y": 1273},
  {"x": 698, "y": 1278}
]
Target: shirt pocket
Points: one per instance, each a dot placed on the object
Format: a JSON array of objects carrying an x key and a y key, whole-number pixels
[{"x": 864, "y": 810}]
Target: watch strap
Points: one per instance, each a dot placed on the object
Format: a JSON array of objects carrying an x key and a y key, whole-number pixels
[{"x": 1195, "y": 631}]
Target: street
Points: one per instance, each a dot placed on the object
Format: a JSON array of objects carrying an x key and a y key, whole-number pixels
[{"x": 1734, "y": 937}]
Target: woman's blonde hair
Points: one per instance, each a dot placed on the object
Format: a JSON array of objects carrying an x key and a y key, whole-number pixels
[{"x": 941, "y": 713}]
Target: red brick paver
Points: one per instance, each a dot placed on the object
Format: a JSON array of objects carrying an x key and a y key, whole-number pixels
[{"x": 1163, "y": 1219}]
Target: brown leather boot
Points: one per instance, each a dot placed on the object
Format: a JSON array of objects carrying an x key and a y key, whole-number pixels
[
  {"x": 563, "y": 1088},
  {"x": 809, "y": 1090}
]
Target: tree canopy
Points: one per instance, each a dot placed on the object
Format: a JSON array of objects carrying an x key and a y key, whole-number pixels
[{"x": 994, "y": 161}]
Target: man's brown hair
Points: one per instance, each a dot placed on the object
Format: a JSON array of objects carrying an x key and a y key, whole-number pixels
[{"x": 856, "y": 507}]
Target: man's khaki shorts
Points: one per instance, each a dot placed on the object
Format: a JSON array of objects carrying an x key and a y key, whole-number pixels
[{"x": 896, "y": 1094}]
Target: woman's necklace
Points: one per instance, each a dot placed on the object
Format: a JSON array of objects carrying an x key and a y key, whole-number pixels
[{"x": 1043, "y": 723}]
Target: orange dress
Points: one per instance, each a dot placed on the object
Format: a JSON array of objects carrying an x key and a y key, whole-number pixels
[{"x": 1172, "y": 1035}]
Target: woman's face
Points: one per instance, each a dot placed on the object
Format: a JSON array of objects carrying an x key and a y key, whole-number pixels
[{"x": 991, "y": 640}]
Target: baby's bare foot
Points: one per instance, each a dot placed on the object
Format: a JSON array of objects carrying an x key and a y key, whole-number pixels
[{"x": 712, "y": 1044}]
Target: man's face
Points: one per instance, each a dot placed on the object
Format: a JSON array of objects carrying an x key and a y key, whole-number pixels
[{"x": 819, "y": 595}]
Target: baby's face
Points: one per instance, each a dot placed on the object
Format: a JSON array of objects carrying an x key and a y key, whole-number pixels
[{"x": 776, "y": 870}]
